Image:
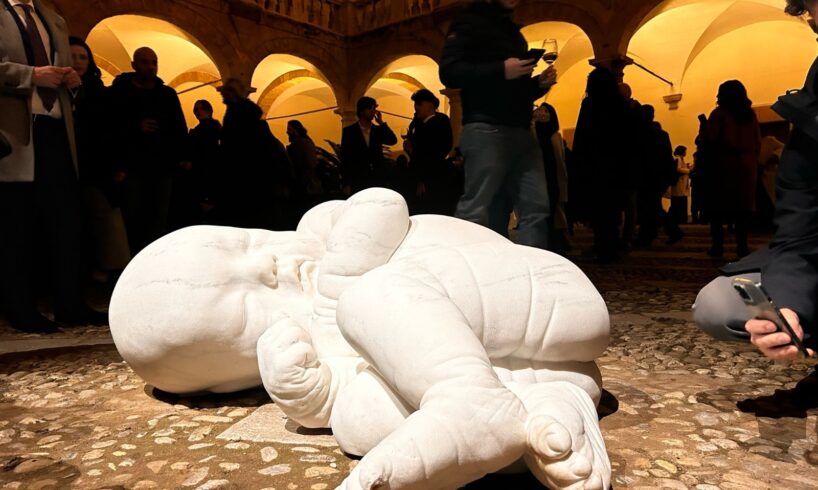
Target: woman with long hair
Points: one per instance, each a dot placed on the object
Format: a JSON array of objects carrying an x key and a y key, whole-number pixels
[
  {"x": 109, "y": 253},
  {"x": 733, "y": 140}
]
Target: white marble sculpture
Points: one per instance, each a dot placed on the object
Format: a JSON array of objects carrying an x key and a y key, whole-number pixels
[{"x": 434, "y": 347}]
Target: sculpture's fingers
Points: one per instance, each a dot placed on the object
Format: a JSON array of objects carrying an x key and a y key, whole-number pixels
[{"x": 301, "y": 385}]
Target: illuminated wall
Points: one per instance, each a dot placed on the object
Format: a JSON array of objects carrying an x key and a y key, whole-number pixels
[
  {"x": 114, "y": 40},
  {"x": 287, "y": 85},
  {"x": 713, "y": 41}
]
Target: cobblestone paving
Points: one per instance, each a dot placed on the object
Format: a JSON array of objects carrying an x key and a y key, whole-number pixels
[{"x": 681, "y": 410}]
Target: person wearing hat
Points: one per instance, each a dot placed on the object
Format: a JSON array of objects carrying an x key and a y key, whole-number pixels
[
  {"x": 428, "y": 143},
  {"x": 362, "y": 162},
  {"x": 255, "y": 168},
  {"x": 487, "y": 58},
  {"x": 150, "y": 132}
]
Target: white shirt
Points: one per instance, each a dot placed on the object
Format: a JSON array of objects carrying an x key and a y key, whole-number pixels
[
  {"x": 366, "y": 132},
  {"x": 36, "y": 102}
]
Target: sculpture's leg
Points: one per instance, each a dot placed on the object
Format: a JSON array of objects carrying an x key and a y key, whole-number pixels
[
  {"x": 565, "y": 449},
  {"x": 467, "y": 424},
  {"x": 365, "y": 412},
  {"x": 303, "y": 386}
]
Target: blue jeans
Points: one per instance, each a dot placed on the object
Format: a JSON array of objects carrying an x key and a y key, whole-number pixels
[{"x": 503, "y": 159}]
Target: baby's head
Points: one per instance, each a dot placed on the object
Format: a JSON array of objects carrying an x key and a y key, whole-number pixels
[{"x": 188, "y": 309}]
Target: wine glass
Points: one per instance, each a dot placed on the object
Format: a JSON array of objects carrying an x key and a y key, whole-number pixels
[{"x": 551, "y": 51}]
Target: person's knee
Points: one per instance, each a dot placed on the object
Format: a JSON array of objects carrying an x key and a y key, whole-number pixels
[{"x": 719, "y": 312}]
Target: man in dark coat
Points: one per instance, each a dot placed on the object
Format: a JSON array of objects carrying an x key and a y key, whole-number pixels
[
  {"x": 428, "y": 143},
  {"x": 485, "y": 56},
  {"x": 150, "y": 132},
  {"x": 658, "y": 173},
  {"x": 255, "y": 175},
  {"x": 362, "y": 162}
]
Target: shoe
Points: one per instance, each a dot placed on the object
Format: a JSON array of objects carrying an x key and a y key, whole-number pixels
[
  {"x": 35, "y": 324},
  {"x": 83, "y": 317},
  {"x": 715, "y": 252}
]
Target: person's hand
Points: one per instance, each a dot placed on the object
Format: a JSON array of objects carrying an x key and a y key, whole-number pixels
[
  {"x": 72, "y": 79},
  {"x": 407, "y": 146},
  {"x": 49, "y": 76},
  {"x": 347, "y": 190},
  {"x": 772, "y": 343},
  {"x": 119, "y": 177},
  {"x": 149, "y": 125},
  {"x": 548, "y": 78},
  {"x": 378, "y": 117},
  {"x": 186, "y": 165},
  {"x": 421, "y": 189},
  {"x": 516, "y": 68}
]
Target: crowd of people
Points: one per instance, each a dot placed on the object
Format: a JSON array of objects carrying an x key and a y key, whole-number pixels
[{"x": 100, "y": 172}]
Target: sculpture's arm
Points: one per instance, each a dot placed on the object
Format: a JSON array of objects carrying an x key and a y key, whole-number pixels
[{"x": 303, "y": 386}]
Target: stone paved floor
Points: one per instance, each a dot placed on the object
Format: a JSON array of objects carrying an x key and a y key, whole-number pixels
[{"x": 682, "y": 411}]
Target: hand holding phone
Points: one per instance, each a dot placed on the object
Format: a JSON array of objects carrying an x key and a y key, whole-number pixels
[
  {"x": 534, "y": 54},
  {"x": 767, "y": 338}
]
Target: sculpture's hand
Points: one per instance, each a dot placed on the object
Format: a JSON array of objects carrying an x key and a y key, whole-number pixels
[{"x": 301, "y": 385}]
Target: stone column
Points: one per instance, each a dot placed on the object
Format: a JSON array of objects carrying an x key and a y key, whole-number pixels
[
  {"x": 348, "y": 115},
  {"x": 455, "y": 112},
  {"x": 615, "y": 63}
]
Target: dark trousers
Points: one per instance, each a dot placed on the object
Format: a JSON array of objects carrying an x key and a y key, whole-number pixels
[
  {"x": 740, "y": 219},
  {"x": 652, "y": 216},
  {"x": 145, "y": 208},
  {"x": 45, "y": 212}
]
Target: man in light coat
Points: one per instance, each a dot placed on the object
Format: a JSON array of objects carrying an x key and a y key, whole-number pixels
[{"x": 38, "y": 179}]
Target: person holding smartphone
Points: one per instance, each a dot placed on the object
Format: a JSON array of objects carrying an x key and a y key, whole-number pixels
[
  {"x": 362, "y": 162},
  {"x": 788, "y": 267},
  {"x": 487, "y": 58}
]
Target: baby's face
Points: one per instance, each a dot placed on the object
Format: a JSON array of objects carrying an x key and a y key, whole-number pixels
[{"x": 216, "y": 285}]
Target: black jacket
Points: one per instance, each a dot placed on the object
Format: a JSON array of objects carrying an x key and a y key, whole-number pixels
[
  {"x": 478, "y": 43},
  {"x": 431, "y": 143},
  {"x": 364, "y": 166},
  {"x": 789, "y": 266},
  {"x": 159, "y": 151}
]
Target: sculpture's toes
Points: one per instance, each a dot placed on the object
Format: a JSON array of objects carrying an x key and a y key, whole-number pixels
[
  {"x": 368, "y": 475},
  {"x": 562, "y": 458}
]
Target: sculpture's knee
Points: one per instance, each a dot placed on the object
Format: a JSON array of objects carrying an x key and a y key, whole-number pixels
[{"x": 719, "y": 311}]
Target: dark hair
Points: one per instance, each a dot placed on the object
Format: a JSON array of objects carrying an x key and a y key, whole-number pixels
[
  {"x": 648, "y": 112},
  {"x": 680, "y": 150},
  {"x": 365, "y": 103},
  {"x": 205, "y": 105},
  {"x": 602, "y": 85},
  {"x": 93, "y": 76},
  {"x": 796, "y": 7},
  {"x": 733, "y": 99},
  {"x": 299, "y": 128},
  {"x": 426, "y": 95}
]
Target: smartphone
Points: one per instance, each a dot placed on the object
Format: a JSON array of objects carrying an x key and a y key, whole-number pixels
[
  {"x": 534, "y": 54},
  {"x": 702, "y": 118},
  {"x": 762, "y": 307}
]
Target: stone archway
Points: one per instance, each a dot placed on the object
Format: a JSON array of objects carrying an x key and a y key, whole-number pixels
[{"x": 203, "y": 25}]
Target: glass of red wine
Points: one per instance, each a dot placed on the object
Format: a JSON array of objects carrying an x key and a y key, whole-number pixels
[{"x": 551, "y": 51}]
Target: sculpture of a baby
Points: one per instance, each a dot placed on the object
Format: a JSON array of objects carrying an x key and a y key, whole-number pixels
[{"x": 434, "y": 347}]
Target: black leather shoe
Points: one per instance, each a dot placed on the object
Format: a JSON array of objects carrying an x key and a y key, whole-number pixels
[
  {"x": 35, "y": 324},
  {"x": 86, "y": 316}
]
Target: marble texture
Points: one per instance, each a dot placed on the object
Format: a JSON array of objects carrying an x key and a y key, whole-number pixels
[{"x": 463, "y": 353}]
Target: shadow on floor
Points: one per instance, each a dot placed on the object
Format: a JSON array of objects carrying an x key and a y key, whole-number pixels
[{"x": 253, "y": 397}]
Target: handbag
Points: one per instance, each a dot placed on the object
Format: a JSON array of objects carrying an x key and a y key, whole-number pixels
[{"x": 800, "y": 107}]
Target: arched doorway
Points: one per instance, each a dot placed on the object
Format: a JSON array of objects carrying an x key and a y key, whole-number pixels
[
  {"x": 714, "y": 41},
  {"x": 183, "y": 62},
  {"x": 575, "y": 51},
  {"x": 288, "y": 87},
  {"x": 394, "y": 85}
]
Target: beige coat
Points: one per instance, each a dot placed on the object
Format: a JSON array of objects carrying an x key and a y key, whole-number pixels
[{"x": 16, "y": 89}]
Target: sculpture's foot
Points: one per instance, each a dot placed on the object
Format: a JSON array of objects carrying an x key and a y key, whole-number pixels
[
  {"x": 446, "y": 444},
  {"x": 565, "y": 449}
]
